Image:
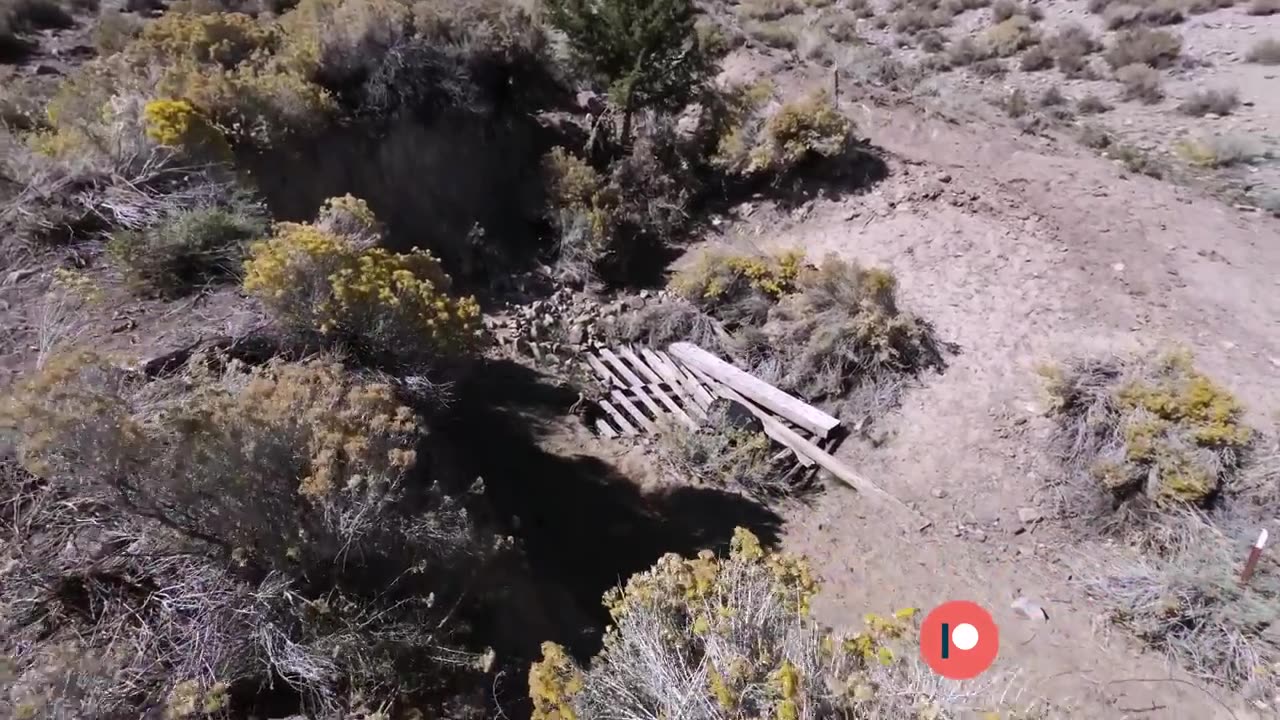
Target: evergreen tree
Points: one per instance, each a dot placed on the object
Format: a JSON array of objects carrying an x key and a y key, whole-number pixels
[{"x": 646, "y": 52}]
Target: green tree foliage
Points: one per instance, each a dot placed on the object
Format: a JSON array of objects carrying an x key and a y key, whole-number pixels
[{"x": 646, "y": 52}]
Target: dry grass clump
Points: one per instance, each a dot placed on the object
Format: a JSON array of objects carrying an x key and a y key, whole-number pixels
[
  {"x": 1071, "y": 47},
  {"x": 768, "y": 9},
  {"x": 1094, "y": 136},
  {"x": 1052, "y": 97},
  {"x": 1014, "y": 103},
  {"x": 799, "y": 132},
  {"x": 730, "y": 638},
  {"x": 966, "y": 51},
  {"x": 832, "y": 332},
  {"x": 774, "y": 34},
  {"x": 1265, "y": 52},
  {"x": 194, "y": 247},
  {"x": 1140, "y": 82},
  {"x": 1151, "y": 432},
  {"x": 1181, "y": 596},
  {"x": 219, "y": 532},
  {"x": 1264, "y": 7},
  {"x": 1002, "y": 10},
  {"x": 19, "y": 19},
  {"x": 1219, "y": 101},
  {"x": 1135, "y": 159},
  {"x": 324, "y": 279},
  {"x": 1009, "y": 37},
  {"x": 608, "y": 224},
  {"x": 1038, "y": 57},
  {"x": 1092, "y": 105},
  {"x": 1217, "y": 151},
  {"x": 729, "y": 450},
  {"x": 841, "y": 329},
  {"x": 1155, "y": 48}
]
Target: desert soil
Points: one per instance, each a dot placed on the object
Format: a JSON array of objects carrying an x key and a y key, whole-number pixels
[{"x": 1022, "y": 250}]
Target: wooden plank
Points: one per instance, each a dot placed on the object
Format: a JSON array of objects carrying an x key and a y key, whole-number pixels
[
  {"x": 642, "y": 394},
  {"x": 699, "y": 391},
  {"x": 805, "y": 448},
  {"x": 627, "y": 354},
  {"x": 607, "y": 377},
  {"x": 623, "y": 371},
  {"x": 677, "y": 387},
  {"x": 605, "y": 429},
  {"x": 674, "y": 381},
  {"x": 633, "y": 411},
  {"x": 618, "y": 420},
  {"x": 689, "y": 383},
  {"x": 788, "y": 406}
]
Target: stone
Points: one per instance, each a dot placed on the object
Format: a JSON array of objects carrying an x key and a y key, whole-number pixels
[
  {"x": 1028, "y": 515},
  {"x": 939, "y": 493},
  {"x": 577, "y": 334}
]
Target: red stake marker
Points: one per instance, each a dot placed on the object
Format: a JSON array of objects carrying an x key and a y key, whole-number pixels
[{"x": 1254, "y": 553}]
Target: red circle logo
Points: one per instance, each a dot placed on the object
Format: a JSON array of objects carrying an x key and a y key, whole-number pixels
[{"x": 959, "y": 640}]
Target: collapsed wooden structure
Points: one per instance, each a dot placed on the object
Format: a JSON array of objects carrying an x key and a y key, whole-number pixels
[{"x": 647, "y": 387}]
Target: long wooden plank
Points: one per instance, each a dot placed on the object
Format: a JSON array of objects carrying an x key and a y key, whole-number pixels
[
  {"x": 633, "y": 411},
  {"x": 828, "y": 462},
  {"x": 605, "y": 429},
  {"x": 627, "y": 354},
  {"x": 623, "y": 371},
  {"x": 605, "y": 375},
  {"x": 788, "y": 406},
  {"x": 618, "y": 420}
]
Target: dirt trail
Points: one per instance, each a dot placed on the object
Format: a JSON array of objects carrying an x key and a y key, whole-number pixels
[{"x": 1021, "y": 252}]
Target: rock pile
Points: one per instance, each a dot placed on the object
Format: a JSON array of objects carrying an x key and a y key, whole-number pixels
[{"x": 555, "y": 328}]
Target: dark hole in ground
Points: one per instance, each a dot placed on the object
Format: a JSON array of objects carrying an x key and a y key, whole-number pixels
[{"x": 583, "y": 526}]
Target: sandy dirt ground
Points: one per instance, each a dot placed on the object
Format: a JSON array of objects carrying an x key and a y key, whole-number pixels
[{"x": 1021, "y": 251}]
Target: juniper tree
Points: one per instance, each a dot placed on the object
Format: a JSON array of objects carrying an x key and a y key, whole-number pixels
[{"x": 646, "y": 52}]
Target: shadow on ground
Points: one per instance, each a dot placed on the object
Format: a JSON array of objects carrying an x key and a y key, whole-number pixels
[{"x": 582, "y": 525}]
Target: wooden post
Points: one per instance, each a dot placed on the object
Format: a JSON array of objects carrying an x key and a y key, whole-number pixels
[
  {"x": 762, "y": 393},
  {"x": 1252, "y": 562}
]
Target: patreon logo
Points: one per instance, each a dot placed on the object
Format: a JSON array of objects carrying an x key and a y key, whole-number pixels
[{"x": 959, "y": 640}]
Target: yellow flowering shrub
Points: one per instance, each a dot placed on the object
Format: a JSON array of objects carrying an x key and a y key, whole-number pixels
[
  {"x": 799, "y": 130},
  {"x": 1155, "y": 427},
  {"x": 222, "y": 39},
  {"x": 749, "y": 145},
  {"x": 177, "y": 123},
  {"x": 223, "y": 444},
  {"x": 718, "y": 280},
  {"x": 315, "y": 280},
  {"x": 738, "y": 631}
]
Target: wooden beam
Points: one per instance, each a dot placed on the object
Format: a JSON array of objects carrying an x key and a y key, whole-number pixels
[
  {"x": 643, "y": 396},
  {"x": 626, "y": 354},
  {"x": 623, "y": 370},
  {"x": 699, "y": 390},
  {"x": 768, "y": 422},
  {"x": 618, "y": 420},
  {"x": 633, "y": 411},
  {"x": 676, "y": 381},
  {"x": 788, "y": 406},
  {"x": 603, "y": 372},
  {"x": 605, "y": 429}
]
